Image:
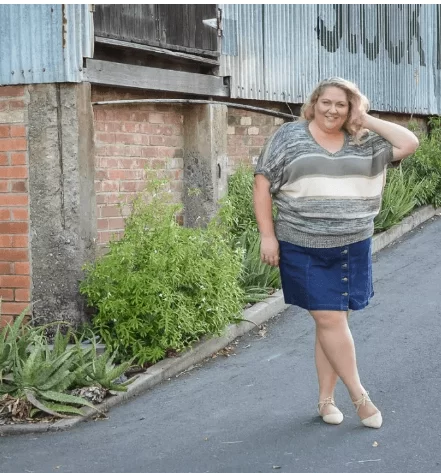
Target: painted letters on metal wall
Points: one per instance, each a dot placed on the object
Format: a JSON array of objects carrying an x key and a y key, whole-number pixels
[{"x": 279, "y": 52}]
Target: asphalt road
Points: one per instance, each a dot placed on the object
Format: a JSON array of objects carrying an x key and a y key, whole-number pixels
[{"x": 254, "y": 411}]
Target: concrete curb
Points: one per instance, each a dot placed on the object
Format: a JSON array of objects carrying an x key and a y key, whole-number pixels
[
  {"x": 409, "y": 223},
  {"x": 256, "y": 315}
]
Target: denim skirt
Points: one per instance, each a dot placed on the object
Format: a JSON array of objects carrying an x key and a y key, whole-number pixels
[{"x": 327, "y": 278}]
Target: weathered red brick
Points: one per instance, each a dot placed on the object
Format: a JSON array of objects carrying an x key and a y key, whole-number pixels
[
  {"x": 19, "y": 186},
  {"x": 110, "y": 211},
  {"x": 5, "y": 131},
  {"x": 13, "y": 228},
  {"x": 103, "y": 224},
  {"x": 18, "y": 158},
  {"x": 15, "y": 281},
  {"x": 156, "y": 117},
  {"x": 7, "y": 294},
  {"x": 20, "y": 241},
  {"x": 5, "y": 268},
  {"x": 12, "y": 91},
  {"x": 5, "y": 214},
  {"x": 22, "y": 295},
  {"x": 116, "y": 223},
  {"x": 13, "y": 172},
  {"x": 14, "y": 308},
  {"x": 5, "y": 241},
  {"x": 18, "y": 130},
  {"x": 6, "y": 319},
  {"x": 4, "y": 159},
  {"x": 22, "y": 268},
  {"x": 13, "y": 200},
  {"x": 13, "y": 254},
  {"x": 13, "y": 144},
  {"x": 20, "y": 214}
]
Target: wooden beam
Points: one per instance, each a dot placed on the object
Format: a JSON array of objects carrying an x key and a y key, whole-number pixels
[
  {"x": 154, "y": 50},
  {"x": 140, "y": 77}
]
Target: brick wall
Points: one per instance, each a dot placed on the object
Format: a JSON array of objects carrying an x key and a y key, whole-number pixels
[
  {"x": 15, "y": 281},
  {"x": 129, "y": 139},
  {"x": 247, "y": 133}
]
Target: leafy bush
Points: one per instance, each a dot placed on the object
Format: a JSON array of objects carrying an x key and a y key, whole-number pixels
[
  {"x": 399, "y": 197},
  {"x": 237, "y": 213},
  {"x": 426, "y": 164},
  {"x": 257, "y": 278},
  {"x": 162, "y": 286},
  {"x": 237, "y": 210}
]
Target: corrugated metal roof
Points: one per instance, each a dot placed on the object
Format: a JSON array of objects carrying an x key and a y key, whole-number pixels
[
  {"x": 44, "y": 43},
  {"x": 392, "y": 52}
]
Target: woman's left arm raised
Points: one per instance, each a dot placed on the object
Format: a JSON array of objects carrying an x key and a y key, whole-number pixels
[{"x": 404, "y": 142}]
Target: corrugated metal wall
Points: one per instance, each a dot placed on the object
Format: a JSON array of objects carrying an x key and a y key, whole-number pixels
[
  {"x": 280, "y": 52},
  {"x": 44, "y": 43}
]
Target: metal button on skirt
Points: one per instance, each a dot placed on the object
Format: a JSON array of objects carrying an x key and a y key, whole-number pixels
[{"x": 327, "y": 278}]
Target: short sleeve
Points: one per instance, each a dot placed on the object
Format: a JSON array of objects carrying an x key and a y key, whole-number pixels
[
  {"x": 271, "y": 161},
  {"x": 381, "y": 148}
]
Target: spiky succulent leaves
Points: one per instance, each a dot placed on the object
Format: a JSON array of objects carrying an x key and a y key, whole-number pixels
[
  {"x": 65, "y": 398},
  {"x": 13, "y": 342},
  {"x": 42, "y": 370},
  {"x": 63, "y": 409},
  {"x": 104, "y": 372},
  {"x": 7, "y": 388},
  {"x": 84, "y": 358},
  {"x": 39, "y": 405},
  {"x": 61, "y": 341}
]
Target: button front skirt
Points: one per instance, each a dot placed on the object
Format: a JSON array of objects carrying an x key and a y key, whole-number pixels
[{"x": 327, "y": 278}]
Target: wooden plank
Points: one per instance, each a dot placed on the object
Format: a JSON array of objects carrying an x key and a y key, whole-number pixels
[
  {"x": 175, "y": 27},
  {"x": 171, "y": 47},
  {"x": 154, "y": 50},
  {"x": 126, "y": 75}
]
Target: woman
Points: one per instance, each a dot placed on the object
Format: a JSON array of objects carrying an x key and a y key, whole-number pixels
[{"x": 326, "y": 174}]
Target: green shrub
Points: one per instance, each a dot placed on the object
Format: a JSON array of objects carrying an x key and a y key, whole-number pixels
[
  {"x": 257, "y": 278},
  {"x": 426, "y": 164},
  {"x": 163, "y": 286},
  {"x": 399, "y": 197},
  {"x": 237, "y": 210},
  {"x": 237, "y": 214}
]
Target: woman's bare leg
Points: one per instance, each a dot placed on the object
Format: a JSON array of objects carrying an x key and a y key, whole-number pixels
[
  {"x": 327, "y": 378},
  {"x": 337, "y": 344}
]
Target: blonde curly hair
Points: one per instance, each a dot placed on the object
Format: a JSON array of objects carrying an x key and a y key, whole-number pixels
[{"x": 358, "y": 104}]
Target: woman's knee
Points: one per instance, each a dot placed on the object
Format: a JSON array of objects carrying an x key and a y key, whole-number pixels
[{"x": 329, "y": 318}]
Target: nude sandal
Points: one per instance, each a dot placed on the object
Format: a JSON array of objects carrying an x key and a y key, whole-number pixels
[
  {"x": 335, "y": 418},
  {"x": 375, "y": 421}
]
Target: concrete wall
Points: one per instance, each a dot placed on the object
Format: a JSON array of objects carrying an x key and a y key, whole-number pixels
[
  {"x": 205, "y": 162},
  {"x": 62, "y": 209}
]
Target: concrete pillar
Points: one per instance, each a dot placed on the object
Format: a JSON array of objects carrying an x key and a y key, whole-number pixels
[
  {"x": 205, "y": 161},
  {"x": 62, "y": 198}
]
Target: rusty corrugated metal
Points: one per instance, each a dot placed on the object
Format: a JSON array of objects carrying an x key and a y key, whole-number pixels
[
  {"x": 44, "y": 43},
  {"x": 279, "y": 52}
]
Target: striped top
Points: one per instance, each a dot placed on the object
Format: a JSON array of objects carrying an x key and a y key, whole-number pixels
[{"x": 324, "y": 199}]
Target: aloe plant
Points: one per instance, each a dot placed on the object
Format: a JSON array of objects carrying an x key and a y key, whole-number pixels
[
  {"x": 399, "y": 197},
  {"x": 33, "y": 370}
]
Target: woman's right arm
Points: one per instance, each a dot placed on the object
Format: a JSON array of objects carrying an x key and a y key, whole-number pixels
[{"x": 263, "y": 209}]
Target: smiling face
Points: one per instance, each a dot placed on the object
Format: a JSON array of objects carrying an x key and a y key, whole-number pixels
[{"x": 331, "y": 109}]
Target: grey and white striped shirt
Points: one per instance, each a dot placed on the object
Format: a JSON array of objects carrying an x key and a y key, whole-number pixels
[{"x": 324, "y": 199}]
